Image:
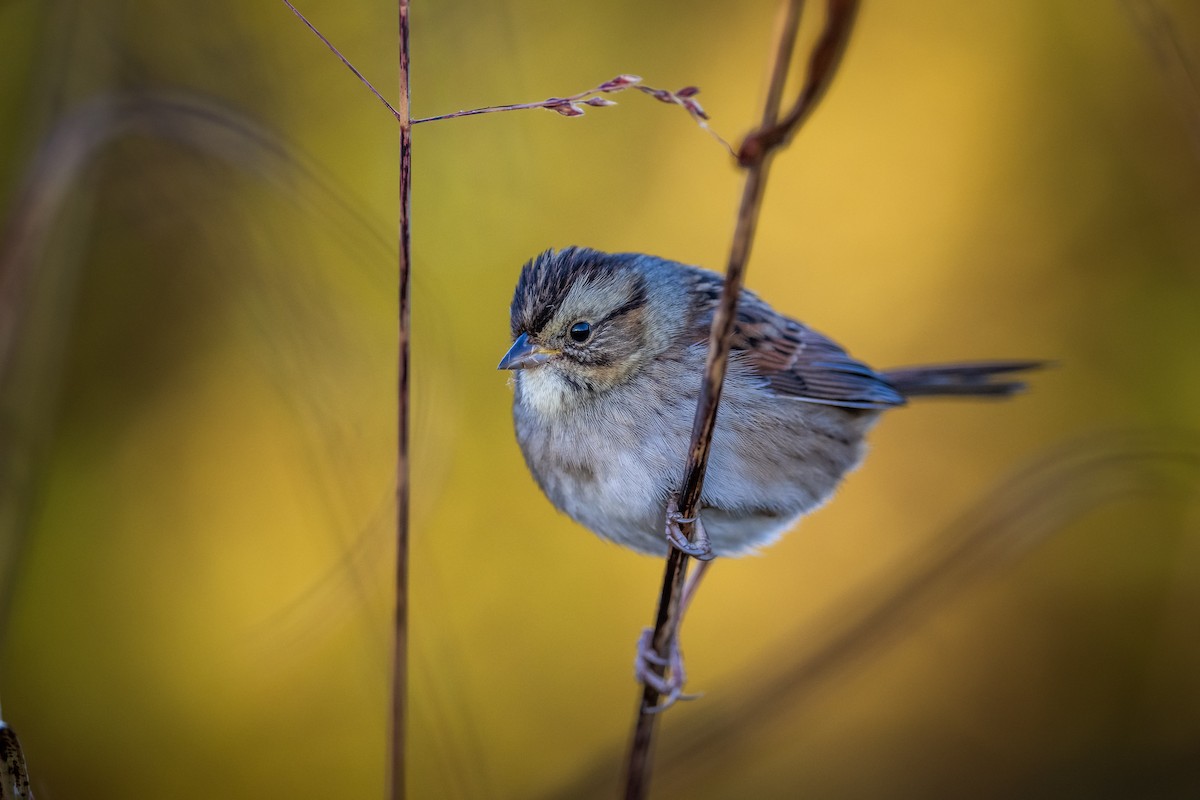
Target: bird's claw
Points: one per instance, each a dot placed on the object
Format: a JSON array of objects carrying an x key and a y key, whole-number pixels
[
  {"x": 670, "y": 683},
  {"x": 699, "y": 548}
]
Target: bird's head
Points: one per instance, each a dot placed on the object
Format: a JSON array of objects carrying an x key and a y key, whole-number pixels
[{"x": 583, "y": 322}]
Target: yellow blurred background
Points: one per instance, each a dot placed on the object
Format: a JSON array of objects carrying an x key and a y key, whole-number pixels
[{"x": 197, "y": 422}]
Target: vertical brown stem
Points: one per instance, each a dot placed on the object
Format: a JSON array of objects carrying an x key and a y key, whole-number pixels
[
  {"x": 637, "y": 773},
  {"x": 638, "y": 765},
  {"x": 755, "y": 156},
  {"x": 396, "y": 771}
]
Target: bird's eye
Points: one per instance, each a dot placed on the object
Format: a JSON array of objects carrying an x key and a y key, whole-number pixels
[{"x": 581, "y": 331}]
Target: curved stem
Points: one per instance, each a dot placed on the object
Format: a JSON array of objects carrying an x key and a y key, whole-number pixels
[{"x": 755, "y": 156}]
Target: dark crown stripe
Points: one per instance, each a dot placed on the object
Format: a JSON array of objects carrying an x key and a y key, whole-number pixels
[
  {"x": 636, "y": 301},
  {"x": 546, "y": 279}
]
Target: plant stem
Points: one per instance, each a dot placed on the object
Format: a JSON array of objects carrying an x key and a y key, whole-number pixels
[
  {"x": 345, "y": 60},
  {"x": 396, "y": 763},
  {"x": 755, "y": 156}
]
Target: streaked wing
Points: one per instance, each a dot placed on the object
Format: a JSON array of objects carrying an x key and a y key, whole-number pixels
[{"x": 794, "y": 360}]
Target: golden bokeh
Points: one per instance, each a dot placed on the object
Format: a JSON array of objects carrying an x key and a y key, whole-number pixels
[{"x": 197, "y": 427}]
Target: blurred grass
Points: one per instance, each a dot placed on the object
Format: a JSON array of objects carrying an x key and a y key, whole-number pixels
[{"x": 200, "y": 599}]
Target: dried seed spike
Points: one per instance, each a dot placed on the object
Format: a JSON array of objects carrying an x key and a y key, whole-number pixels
[
  {"x": 620, "y": 82},
  {"x": 566, "y": 109},
  {"x": 695, "y": 108},
  {"x": 572, "y": 105}
]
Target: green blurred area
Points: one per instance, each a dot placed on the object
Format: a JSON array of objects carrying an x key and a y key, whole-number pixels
[{"x": 197, "y": 426}]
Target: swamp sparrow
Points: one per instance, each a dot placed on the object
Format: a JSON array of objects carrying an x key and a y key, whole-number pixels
[{"x": 608, "y": 355}]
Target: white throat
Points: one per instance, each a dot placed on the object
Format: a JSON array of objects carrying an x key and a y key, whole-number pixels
[{"x": 546, "y": 391}]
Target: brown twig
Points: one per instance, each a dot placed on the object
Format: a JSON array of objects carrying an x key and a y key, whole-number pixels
[
  {"x": 822, "y": 66},
  {"x": 755, "y": 156},
  {"x": 396, "y": 763},
  {"x": 345, "y": 60}
]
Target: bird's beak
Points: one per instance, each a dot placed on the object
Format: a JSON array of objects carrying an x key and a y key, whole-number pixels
[{"x": 525, "y": 354}]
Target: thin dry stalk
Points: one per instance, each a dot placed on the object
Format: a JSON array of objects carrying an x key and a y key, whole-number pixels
[
  {"x": 396, "y": 763},
  {"x": 354, "y": 69},
  {"x": 755, "y": 156}
]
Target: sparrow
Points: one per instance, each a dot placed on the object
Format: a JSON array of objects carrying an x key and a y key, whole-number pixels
[{"x": 607, "y": 355}]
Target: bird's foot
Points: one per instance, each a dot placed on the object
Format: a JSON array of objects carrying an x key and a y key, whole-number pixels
[
  {"x": 648, "y": 664},
  {"x": 699, "y": 548}
]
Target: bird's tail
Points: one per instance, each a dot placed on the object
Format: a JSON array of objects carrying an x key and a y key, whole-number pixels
[{"x": 963, "y": 380}]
